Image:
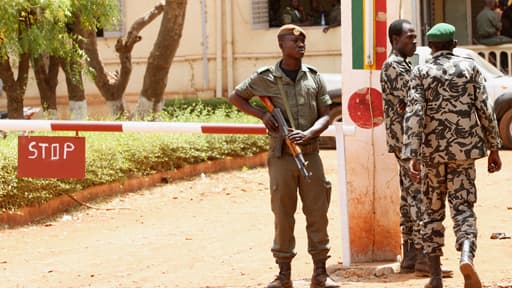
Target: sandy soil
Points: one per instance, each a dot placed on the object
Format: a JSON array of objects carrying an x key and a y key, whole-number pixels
[{"x": 215, "y": 231}]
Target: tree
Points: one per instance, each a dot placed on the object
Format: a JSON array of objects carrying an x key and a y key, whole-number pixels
[
  {"x": 28, "y": 28},
  {"x": 113, "y": 85},
  {"x": 160, "y": 59},
  {"x": 40, "y": 32},
  {"x": 83, "y": 16}
]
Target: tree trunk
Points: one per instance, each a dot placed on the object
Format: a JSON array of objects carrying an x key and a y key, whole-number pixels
[
  {"x": 75, "y": 85},
  {"x": 46, "y": 71},
  {"x": 15, "y": 88},
  {"x": 160, "y": 59},
  {"x": 113, "y": 85},
  {"x": 72, "y": 68}
]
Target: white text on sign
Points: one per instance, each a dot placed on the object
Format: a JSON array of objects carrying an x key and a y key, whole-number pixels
[{"x": 54, "y": 151}]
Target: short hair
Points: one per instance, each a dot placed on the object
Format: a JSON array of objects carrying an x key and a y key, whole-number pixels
[{"x": 396, "y": 28}]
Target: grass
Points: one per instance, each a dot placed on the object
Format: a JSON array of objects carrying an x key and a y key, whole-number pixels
[{"x": 112, "y": 157}]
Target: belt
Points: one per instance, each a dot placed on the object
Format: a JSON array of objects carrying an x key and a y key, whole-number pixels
[{"x": 313, "y": 147}]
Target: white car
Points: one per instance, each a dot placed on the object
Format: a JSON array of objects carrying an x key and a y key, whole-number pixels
[{"x": 499, "y": 88}]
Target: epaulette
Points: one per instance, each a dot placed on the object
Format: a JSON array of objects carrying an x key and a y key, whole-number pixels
[
  {"x": 263, "y": 69},
  {"x": 311, "y": 68}
]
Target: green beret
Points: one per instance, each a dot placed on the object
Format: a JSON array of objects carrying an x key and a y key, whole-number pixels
[
  {"x": 441, "y": 32},
  {"x": 290, "y": 29}
]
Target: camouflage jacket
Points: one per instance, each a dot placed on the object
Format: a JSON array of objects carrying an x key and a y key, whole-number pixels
[
  {"x": 394, "y": 81},
  {"x": 448, "y": 116}
]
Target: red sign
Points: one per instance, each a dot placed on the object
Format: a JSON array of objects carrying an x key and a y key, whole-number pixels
[
  {"x": 365, "y": 108},
  {"x": 51, "y": 157}
]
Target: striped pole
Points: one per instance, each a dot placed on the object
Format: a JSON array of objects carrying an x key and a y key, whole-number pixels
[
  {"x": 132, "y": 126},
  {"x": 339, "y": 130}
]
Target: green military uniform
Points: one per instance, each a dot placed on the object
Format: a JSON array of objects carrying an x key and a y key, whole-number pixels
[
  {"x": 304, "y": 96},
  {"x": 448, "y": 125},
  {"x": 335, "y": 15},
  {"x": 488, "y": 27},
  {"x": 394, "y": 80},
  {"x": 292, "y": 16}
]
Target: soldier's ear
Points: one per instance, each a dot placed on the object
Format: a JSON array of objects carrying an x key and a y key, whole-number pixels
[{"x": 394, "y": 40}]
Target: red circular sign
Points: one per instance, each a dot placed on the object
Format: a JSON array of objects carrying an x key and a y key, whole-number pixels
[{"x": 365, "y": 108}]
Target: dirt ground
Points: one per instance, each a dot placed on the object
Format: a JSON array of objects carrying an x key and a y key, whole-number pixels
[{"x": 216, "y": 231}]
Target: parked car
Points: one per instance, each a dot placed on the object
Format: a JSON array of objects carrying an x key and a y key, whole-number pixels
[
  {"x": 498, "y": 85},
  {"x": 333, "y": 83},
  {"x": 499, "y": 88}
]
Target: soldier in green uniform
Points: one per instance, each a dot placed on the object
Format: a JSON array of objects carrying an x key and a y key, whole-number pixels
[
  {"x": 488, "y": 25},
  {"x": 294, "y": 14},
  {"x": 300, "y": 93},
  {"x": 447, "y": 126}
]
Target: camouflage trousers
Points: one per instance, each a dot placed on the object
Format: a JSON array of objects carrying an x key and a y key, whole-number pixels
[
  {"x": 410, "y": 193},
  {"x": 454, "y": 181}
]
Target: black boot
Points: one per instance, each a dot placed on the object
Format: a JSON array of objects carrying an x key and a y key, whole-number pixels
[
  {"x": 471, "y": 279},
  {"x": 436, "y": 280},
  {"x": 408, "y": 257},
  {"x": 320, "y": 279},
  {"x": 422, "y": 267},
  {"x": 283, "y": 279}
]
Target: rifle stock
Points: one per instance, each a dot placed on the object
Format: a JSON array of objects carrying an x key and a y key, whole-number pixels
[{"x": 284, "y": 130}]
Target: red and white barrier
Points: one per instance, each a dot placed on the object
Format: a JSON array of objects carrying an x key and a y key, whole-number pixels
[
  {"x": 133, "y": 126},
  {"x": 338, "y": 129}
]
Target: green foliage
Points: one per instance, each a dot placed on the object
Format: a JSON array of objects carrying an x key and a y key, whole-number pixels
[
  {"x": 113, "y": 157},
  {"x": 96, "y": 13},
  {"x": 41, "y": 26},
  {"x": 200, "y": 108}
]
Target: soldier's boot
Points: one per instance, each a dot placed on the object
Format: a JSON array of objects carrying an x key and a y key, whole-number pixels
[
  {"x": 320, "y": 279},
  {"x": 409, "y": 257},
  {"x": 283, "y": 279},
  {"x": 422, "y": 268},
  {"x": 436, "y": 280},
  {"x": 471, "y": 279}
]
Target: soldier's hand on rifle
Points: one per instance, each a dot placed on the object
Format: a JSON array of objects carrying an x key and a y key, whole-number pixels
[
  {"x": 297, "y": 136},
  {"x": 270, "y": 122}
]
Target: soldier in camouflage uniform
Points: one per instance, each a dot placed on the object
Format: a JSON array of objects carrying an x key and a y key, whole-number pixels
[
  {"x": 447, "y": 126},
  {"x": 394, "y": 79},
  {"x": 308, "y": 104}
]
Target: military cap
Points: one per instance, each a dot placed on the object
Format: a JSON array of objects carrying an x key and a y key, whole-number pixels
[
  {"x": 441, "y": 32},
  {"x": 290, "y": 29}
]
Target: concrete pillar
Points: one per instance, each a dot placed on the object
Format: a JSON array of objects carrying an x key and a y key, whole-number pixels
[{"x": 372, "y": 173}]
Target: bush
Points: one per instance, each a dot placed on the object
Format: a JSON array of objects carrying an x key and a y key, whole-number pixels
[{"x": 113, "y": 157}]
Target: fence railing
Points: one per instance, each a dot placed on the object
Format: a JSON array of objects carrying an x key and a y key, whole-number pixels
[{"x": 499, "y": 55}]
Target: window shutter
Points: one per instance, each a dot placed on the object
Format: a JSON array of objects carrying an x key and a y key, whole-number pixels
[
  {"x": 119, "y": 29},
  {"x": 259, "y": 14}
]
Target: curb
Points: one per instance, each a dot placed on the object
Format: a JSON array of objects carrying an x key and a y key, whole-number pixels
[{"x": 27, "y": 215}]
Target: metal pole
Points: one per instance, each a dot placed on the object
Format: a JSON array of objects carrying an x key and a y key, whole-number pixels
[{"x": 205, "y": 44}]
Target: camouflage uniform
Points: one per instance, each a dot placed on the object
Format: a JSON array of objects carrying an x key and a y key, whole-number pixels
[
  {"x": 448, "y": 125},
  {"x": 304, "y": 96},
  {"x": 394, "y": 80}
]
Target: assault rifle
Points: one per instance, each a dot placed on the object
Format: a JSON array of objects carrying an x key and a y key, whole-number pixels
[{"x": 284, "y": 131}]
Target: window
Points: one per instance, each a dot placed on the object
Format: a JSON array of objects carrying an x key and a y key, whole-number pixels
[
  {"x": 118, "y": 30},
  {"x": 274, "y": 13}
]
